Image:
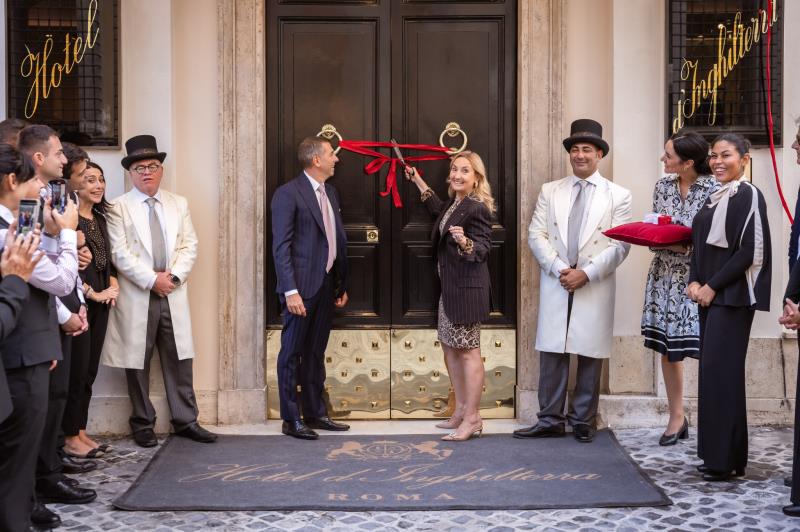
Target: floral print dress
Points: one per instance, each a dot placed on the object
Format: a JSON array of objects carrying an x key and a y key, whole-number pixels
[{"x": 670, "y": 324}]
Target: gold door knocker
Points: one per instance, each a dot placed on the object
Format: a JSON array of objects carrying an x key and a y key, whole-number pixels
[
  {"x": 452, "y": 129},
  {"x": 328, "y": 131}
]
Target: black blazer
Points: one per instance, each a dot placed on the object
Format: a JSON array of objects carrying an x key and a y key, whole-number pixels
[
  {"x": 13, "y": 293},
  {"x": 795, "y": 234},
  {"x": 299, "y": 244},
  {"x": 466, "y": 286},
  {"x": 723, "y": 269}
]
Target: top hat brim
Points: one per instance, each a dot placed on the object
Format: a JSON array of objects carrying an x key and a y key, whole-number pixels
[
  {"x": 130, "y": 159},
  {"x": 570, "y": 141}
]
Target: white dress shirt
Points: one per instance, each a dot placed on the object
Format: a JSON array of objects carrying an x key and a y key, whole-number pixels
[
  {"x": 315, "y": 185},
  {"x": 591, "y": 184},
  {"x": 57, "y": 273},
  {"x": 141, "y": 196}
]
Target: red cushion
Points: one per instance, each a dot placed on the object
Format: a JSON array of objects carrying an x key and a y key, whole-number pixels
[{"x": 643, "y": 234}]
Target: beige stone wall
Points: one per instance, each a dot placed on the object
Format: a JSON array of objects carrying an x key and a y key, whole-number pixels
[{"x": 179, "y": 83}]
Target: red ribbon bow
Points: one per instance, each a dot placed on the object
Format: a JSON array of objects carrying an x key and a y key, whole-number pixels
[{"x": 374, "y": 166}]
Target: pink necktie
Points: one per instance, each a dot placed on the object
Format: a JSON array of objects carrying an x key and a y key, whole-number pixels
[{"x": 330, "y": 231}]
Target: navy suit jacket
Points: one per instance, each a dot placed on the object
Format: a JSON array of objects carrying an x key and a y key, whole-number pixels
[
  {"x": 795, "y": 235},
  {"x": 299, "y": 245}
]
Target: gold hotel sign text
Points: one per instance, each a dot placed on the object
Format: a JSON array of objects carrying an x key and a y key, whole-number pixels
[
  {"x": 45, "y": 76},
  {"x": 729, "y": 53}
]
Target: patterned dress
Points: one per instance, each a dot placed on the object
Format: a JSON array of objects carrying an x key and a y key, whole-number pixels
[
  {"x": 459, "y": 336},
  {"x": 670, "y": 324}
]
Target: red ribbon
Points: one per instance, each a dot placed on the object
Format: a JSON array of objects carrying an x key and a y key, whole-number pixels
[
  {"x": 770, "y": 121},
  {"x": 376, "y": 165}
]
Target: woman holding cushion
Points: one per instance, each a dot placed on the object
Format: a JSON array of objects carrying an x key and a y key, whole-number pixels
[
  {"x": 730, "y": 279},
  {"x": 670, "y": 324}
]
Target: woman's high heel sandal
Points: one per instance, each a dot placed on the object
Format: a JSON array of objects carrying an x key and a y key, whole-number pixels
[
  {"x": 672, "y": 439},
  {"x": 451, "y": 423},
  {"x": 475, "y": 432}
]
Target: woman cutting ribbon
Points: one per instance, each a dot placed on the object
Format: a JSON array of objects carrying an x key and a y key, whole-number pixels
[{"x": 729, "y": 279}]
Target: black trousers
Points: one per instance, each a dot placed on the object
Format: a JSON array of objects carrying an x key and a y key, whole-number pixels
[
  {"x": 302, "y": 356},
  {"x": 86, "y": 350},
  {"x": 795, "y": 497},
  {"x": 722, "y": 405},
  {"x": 20, "y": 436},
  {"x": 48, "y": 464}
]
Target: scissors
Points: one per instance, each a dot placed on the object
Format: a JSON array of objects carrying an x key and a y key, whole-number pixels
[{"x": 397, "y": 152}]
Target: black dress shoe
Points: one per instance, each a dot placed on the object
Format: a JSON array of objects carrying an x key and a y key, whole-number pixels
[
  {"x": 541, "y": 431},
  {"x": 43, "y": 517},
  {"x": 298, "y": 429},
  {"x": 672, "y": 439},
  {"x": 197, "y": 433},
  {"x": 70, "y": 466},
  {"x": 325, "y": 423},
  {"x": 145, "y": 438},
  {"x": 787, "y": 481},
  {"x": 63, "y": 493},
  {"x": 702, "y": 468},
  {"x": 721, "y": 476},
  {"x": 584, "y": 433},
  {"x": 793, "y": 510},
  {"x": 71, "y": 481}
]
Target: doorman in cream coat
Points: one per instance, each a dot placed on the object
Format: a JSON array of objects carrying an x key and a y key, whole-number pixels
[
  {"x": 576, "y": 291},
  {"x": 153, "y": 247}
]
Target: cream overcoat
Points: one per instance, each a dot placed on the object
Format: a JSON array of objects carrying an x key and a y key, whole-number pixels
[
  {"x": 130, "y": 243},
  {"x": 592, "y": 320}
]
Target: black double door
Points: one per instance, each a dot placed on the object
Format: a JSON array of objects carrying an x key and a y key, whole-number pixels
[{"x": 400, "y": 69}]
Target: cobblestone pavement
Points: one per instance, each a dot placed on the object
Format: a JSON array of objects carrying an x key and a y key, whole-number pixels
[{"x": 753, "y": 503}]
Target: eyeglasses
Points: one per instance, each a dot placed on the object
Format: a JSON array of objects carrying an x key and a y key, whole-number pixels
[{"x": 149, "y": 169}]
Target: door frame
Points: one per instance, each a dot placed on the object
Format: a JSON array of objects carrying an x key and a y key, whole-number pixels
[{"x": 241, "y": 59}]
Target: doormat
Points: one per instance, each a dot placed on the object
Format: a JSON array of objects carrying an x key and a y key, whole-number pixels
[{"x": 391, "y": 472}]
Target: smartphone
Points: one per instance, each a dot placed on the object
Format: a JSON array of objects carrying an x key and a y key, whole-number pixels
[
  {"x": 28, "y": 215},
  {"x": 58, "y": 191}
]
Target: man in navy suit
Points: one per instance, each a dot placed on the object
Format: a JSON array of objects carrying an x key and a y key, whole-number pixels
[{"x": 309, "y": 247}]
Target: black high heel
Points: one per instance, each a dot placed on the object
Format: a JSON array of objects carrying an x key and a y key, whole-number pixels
[{"x": 672, "y": 439}]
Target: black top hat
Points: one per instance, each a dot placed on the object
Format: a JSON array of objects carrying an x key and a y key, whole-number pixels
[
  {"x": 586, "y": 130},
  {"x": 141, "y": 147}
]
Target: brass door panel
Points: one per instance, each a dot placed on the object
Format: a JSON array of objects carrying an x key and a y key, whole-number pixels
[
  {"x": 400, "y": 374},
  {"x": 421, "y": 385}
]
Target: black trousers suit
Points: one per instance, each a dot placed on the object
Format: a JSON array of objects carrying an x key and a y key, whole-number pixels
[
  {"x": 20, "y": 437},
  {"x": 302, "y": 356}
]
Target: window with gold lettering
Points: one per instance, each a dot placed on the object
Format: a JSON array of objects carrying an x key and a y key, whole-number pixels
[
  {"x": 721, "y": 73},
  {"x": 62, "y": 67}
]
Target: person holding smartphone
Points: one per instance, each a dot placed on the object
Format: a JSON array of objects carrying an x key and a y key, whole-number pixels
[{"x": 34, "y": 343}]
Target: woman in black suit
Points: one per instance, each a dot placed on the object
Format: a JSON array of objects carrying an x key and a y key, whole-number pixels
[
  {"x": 461, "y": 237},
  {"x": 729, "y": 279},
  {"x": 101, "y": 290}
]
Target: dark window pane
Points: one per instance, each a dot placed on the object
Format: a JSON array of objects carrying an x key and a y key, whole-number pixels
[
  {"x": 716, "y": 67},
  {"x": 62, "y": 67}
]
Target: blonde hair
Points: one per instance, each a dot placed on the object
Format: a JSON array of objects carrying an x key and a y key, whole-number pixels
[{"x": 482, "y": 191}]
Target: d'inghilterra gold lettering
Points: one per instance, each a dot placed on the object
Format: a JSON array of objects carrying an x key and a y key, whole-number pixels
[
  {"x": 728, "y": 56},
  {"x": 45, "y": 77}
]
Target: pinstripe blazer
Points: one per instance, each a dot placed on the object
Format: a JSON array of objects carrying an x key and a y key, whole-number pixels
[
  {"x": 466, "y": 286},
  {"x": 299, "y": 245}
]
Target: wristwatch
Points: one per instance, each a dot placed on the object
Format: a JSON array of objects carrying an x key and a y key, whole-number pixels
[{"x": 175, "y": 280}]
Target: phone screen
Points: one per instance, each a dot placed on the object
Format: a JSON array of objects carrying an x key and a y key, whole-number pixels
[
  {"x": 28, "y": 215},
  {"x": 58, "y": 191}
]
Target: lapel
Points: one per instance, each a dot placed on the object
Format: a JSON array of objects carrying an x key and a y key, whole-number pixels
[
  {"x": 561, "y": 208},
  {"x": 139, "y": 214},
  {"x": 170, "y": 220},
  {"x": 598, "y": 207},
  {"x": 310, "y": 197},
  {"x": 458, "y": 215}
]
